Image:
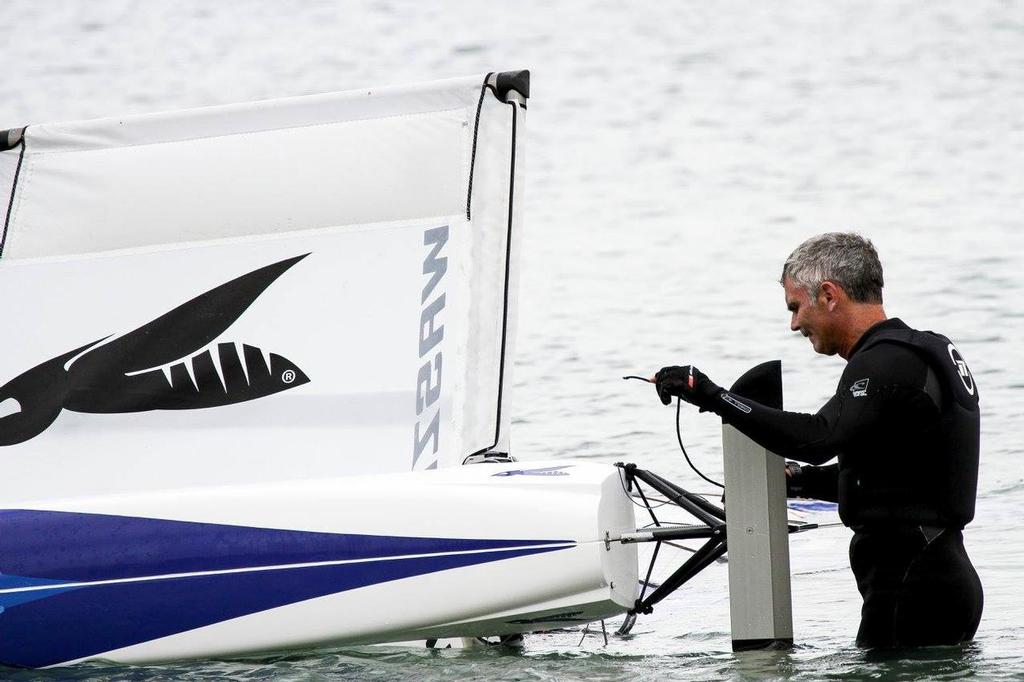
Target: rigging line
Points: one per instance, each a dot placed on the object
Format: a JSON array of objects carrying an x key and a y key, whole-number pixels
[
  {"x": 657, "y": 545},
  {"x": 650, "y": 509},
  {"x": 691, "y": 550},
  {"x": 650, "y": 570},
  {"x": 674, "y": 525},
  {"x": 508, "y": 268},
  {"x": 632, "y": 498},
  {"x": 661, "y": 503},
  {"x": 679, "y": 437},
  {"x": 508, "y": 265}
]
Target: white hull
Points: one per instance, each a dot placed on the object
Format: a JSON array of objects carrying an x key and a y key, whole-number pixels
[{"x": 480, "y": 550}]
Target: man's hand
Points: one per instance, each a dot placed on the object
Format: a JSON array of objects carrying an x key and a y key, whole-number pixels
[
  {"x": 687, "y": 382},
  {"x": 795, "y": 475}
]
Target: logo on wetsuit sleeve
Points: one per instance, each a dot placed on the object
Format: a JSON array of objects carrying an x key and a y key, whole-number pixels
[
  {"x": 859, "y": 389},
  {"x": 961, "y": 368},
  {"x": 742, "y": 407}
]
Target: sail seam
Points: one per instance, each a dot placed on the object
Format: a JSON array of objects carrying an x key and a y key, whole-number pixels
[
  {"x": 14, "y": 189},
  {"x": 262, "y": 131}
]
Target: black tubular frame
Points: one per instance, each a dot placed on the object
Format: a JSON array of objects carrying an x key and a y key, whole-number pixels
[{"x": 713, "y": 530}]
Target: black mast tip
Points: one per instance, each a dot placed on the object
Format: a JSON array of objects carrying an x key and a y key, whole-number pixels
[
  {"x": 507, "y": 81},
  {"x": 9, "y": 139}
]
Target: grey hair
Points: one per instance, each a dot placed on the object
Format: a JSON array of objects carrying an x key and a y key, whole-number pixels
[{"x": 845, "y": 258}]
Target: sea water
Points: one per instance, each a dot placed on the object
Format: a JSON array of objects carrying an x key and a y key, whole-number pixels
[{"x": 677, "y": 152}]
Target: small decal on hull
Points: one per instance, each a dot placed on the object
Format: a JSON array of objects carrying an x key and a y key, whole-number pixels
[{"x": 543, "y": 471}]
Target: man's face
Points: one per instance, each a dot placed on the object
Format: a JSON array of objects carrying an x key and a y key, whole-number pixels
[{"x": 811, "y": 318}]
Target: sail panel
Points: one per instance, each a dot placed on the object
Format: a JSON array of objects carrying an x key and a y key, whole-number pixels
[
  {"x": 242, "y": 170},
  {"x": 271, "y": 291}
]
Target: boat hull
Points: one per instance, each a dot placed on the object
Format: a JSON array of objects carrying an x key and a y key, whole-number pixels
[{"x": 479, "y": 550}]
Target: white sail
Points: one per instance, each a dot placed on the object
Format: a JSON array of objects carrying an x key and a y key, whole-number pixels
[
  {"x": 283, "y": 290},
  {"x": 235, "y": 341}
]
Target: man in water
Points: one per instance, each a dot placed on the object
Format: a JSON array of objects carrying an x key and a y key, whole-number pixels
[{"x": 904, "y": 424}]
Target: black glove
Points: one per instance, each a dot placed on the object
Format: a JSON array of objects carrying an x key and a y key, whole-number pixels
[
  {"x": 687, "y": 382},
  {"x": 795, "y": 479}
]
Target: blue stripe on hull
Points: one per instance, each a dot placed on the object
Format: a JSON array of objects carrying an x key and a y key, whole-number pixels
[
  {"x": 65, "y": 624},
  {"x": 7, "y": 582},
  {"x": 83, "y": 547}
]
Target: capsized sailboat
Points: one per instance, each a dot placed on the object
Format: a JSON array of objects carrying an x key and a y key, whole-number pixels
[{"x": 252, "y": 382}]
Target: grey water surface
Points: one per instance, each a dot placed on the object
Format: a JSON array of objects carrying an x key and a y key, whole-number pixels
[{"x": 677, "y": 152}]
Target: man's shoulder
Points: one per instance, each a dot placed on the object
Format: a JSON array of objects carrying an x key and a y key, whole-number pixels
[
  {"x": 895, "y": 338},
  {"x": 904, "y": 351},
  {"x": 888, "y": 361},
  {"x": 895, "y": 330}
]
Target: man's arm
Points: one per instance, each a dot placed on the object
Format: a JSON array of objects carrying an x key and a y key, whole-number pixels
[
  {"x": 811, "y": 438},
  {"x": 862, "y": 401}
]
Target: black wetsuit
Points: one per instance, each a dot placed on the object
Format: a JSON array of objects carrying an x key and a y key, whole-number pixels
[{"x": 906, "y": 435}]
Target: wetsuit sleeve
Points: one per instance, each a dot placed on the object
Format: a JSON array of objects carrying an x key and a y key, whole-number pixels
[{"x": 882, "y": 383}]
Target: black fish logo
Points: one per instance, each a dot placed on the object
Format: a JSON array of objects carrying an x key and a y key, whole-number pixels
[{"x": 126, "y": 374}]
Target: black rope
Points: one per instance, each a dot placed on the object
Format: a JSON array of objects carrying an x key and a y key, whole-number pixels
[
  {"x": 679, "y": 437},
  {"x": 632, "y": 498},
  {"x": 472, "y": 156},
  {"x": 508, "y": 264}
]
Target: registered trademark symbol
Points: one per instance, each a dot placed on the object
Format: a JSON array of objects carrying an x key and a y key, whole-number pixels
[{"x": 288, "y": 376}]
